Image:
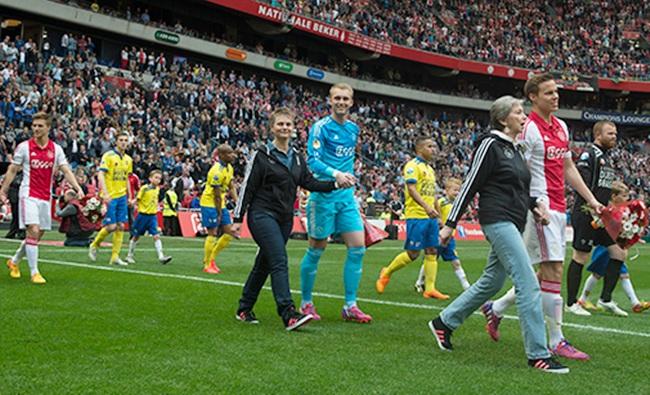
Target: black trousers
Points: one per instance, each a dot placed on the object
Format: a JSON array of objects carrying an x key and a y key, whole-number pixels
[
  {"x": 171, "y": 227},
  {"x": 271, "y": 236}
]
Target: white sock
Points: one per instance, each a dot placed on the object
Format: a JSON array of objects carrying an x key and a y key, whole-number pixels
[
  {"x": 590, "y": 283},
  {"x": 158, "y": 245},
  {"x": 462, "y": 277},
  {"x": 552, "y": 304},
  {"x": 500, "y": 305},
  {"x": 626, "y": 283},
  {"x": 132, "y": 244},
  {"x": 420, "y": 279},
  {"x": 31, "y": 250},
  {"x": 20, "y": 253}
]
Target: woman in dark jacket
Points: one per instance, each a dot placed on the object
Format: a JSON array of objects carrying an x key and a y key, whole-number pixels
[
  {"x": 268, "y": 192},
  {"x": 500, "y": 176}
]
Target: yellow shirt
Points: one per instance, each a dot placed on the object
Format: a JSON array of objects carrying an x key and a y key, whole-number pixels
[
  {"x": 420, "y": 173},
  {"x": 219, "y": 176},
  {"x": 116, "y": 170},
  {"x": 445, "y": 208},
  {"x": 148, "y": 199},
  {"x": 170, "y": 210}
]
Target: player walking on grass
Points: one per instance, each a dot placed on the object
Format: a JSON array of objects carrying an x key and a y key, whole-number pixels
[
  {"x": 447, "y": 252},
  {"x": 421, "y": 220},
  {"x": 545, "y": 141},
  {"x": 114, "y": 188},
  {"x": 600, "y": 261},
  {"x": 330, "y": 156},
  {"x": 214, "y": 214},
  {"x": 40, "y": 159},
  {"x": 597, "y": 171},
  {"x": 147, "y": 219},
  {"x": 268, "y": 192},
  {"x": 500, "y": 176}
]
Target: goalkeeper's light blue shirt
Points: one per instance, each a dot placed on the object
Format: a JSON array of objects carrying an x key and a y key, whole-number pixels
[{"x": 332, "y": 147}]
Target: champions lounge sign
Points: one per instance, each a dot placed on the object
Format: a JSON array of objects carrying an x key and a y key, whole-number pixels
[{"x": 616, "y": 117}]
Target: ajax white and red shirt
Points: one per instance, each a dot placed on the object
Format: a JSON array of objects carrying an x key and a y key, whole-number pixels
[
  {"x": 39, "y": 165},
  {"x": 546, "y": 146}
]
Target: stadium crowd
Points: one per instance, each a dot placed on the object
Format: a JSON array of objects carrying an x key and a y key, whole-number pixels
[
  {"x": 179, "y": 117},
  {"x": 581, "y": 37}
]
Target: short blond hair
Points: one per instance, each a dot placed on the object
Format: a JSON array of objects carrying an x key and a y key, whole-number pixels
[
  {"x": 619, "y": 187},
  {"x": 342, "y": 86},
  {"x": 452, "y": 181},
  {"x": 41, "y": 115}
]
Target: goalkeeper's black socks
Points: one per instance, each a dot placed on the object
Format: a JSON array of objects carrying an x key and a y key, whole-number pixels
[
  {"x": 611, "y": 279},
  {"x": 573, "y": 279}
]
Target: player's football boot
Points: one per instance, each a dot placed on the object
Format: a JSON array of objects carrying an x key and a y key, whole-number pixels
[
  {"x": 119, "y": 262},
  {"x": 435, "y": 294},
  {"x": 14, "y": 271},
  {"x": 129, "y": 259},
  {"x": 641, "y": 307},
  {"x": 566, "y": 350},
  {"x": 493, "y": 321},
  {"x": 310, "y": 309},
  {"x": 165, "y": 260},
  {"x": 355, "y": 314},
  {"x": 382, "y": 281},
  {"x": 212, "y": 268},
  {"x": 612, "y": 307},
  {"x": 577, "y": 309},
  {"x": 92, "y": 253},
  {"x": 38, "y": 279},
  {"x": 587, "y": 304},
  {"x": 418, "y": 287}
]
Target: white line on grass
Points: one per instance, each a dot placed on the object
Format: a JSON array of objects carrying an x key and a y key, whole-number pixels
[{"x": 323, "y": 295}]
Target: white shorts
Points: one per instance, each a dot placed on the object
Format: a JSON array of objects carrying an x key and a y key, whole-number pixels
[
  {"x": 546, "y": 243},
  {"x": 35, "y": 212}
]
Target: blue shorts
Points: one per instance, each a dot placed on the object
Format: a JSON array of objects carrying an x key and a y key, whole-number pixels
[
  {"x": 421, "y": 234},
  {"x": 333, "y": 217},
  {"x": 145, "y": 223},
  {"x": 116, "y": 211},
  {"x": 448, "y": 252},
  {"x": 599, "y": 261},
  {"x": 209, "y": 217}
]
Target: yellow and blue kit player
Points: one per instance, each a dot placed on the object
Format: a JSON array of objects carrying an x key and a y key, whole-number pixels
[
  {"x": 214, "y": 214},
  {"x": 421, "y": 220},
  {"x": 113, "y": 177},
  {"x": 448, "y": 252},
  {"x": 331, "y": 152},
  {"x": 147, "y": 219}
]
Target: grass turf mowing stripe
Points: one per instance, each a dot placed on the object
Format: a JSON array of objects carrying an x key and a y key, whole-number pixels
[{"x": 324, "y": 295}]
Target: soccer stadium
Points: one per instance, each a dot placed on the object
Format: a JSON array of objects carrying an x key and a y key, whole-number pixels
[{"x": 316, "y": 196}]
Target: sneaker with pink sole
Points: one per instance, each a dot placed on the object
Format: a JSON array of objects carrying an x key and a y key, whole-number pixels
[
  {"x": 310, "y": 309},
  {"x": 355, "y": 314},
  {"x": 566, "y": 350}
]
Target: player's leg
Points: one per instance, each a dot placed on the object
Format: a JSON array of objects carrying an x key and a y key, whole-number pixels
[
  {"x": 412, "y": 246},
  {"x": 448, "y": 254},
  {"x": 431, "y": 244},
  {"x": 209, "y": 221},
  {"x": 137, "y": 230},
  {"x": 349, "y": 224},
  {"x": 121, "y": 213},
  {"x": 320, "y": 227},
  {"x": 638, "y": 306},
  {"x": 400, "y": 261},
  {"x": 597, "y": 268},
  {"x": 109, "y": 226},
  {"x": 617, "y": 256},
  {"x": 31, "y": 250},
  {"x": 574, "y": 277},
  {"x": 419, "y": 283},
  {"x": 152, "y": 228},
  {"x": 225, "y": 238},
  {"x": 26, "y": 210}
]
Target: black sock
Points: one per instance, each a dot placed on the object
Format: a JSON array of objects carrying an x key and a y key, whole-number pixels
[
  {"x": 611, "y": 278},
  {"x": 573, "y": 279}
]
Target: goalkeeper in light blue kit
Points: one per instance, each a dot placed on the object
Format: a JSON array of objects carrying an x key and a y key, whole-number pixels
[{"x": 330, "y": 156}]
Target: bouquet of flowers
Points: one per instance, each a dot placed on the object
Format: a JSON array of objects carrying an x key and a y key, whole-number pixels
[
  {"x": 625, "y": 223},
  {"x": 373, "y": 234},
  {"x": 93, "y": 209}
]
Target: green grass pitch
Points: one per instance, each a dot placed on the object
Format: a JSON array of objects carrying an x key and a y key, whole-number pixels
[{"x": 170, "y": 329}]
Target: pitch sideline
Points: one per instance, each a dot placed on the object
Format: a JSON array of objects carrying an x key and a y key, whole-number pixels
[{"x": 324, "y": 295}]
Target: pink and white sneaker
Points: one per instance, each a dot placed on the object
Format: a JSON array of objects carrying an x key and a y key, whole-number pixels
[
  {"x": 310, "y": 309},
  {"x": 356, "y": 315},
  {"x": 566, "y": 350},
  {"x": 493, "y": 321}
]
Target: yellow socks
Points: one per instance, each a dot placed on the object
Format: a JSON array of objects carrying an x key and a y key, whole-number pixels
[
  {"x": 222, "y": 243},
  {"x": 117, "y": 244},
  {"x": 399, "y": 262},
  {"x": 101, "y": 235},
  {"x": 207, "y": 249},
  {"x": 430, "y": 272}
]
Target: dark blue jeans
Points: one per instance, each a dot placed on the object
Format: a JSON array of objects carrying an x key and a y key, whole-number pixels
[{"x": 271, "y": 236}]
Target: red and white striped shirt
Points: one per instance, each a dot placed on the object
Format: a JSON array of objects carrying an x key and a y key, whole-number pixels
[
  {"x": 39, "y": 165},
  {"x": 546, "y": 145}
]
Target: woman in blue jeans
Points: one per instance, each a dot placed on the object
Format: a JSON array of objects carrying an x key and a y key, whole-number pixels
[
  {"x": 268, "y": 192},
  {"x": 500, "y": 176}
]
